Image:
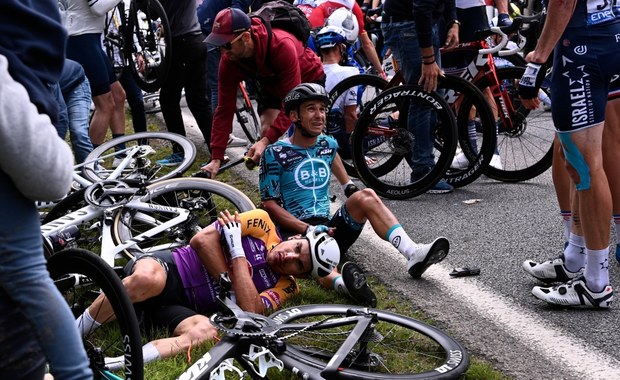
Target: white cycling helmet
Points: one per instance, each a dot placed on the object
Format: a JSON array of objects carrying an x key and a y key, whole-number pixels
[
  {"x": 344, "y": 18},
  {"x": 324, "y": 252}
]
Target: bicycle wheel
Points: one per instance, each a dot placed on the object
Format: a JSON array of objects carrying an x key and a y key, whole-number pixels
[
  {"x": 113, "y": 41},
  {"x": 476, "y": 129},
  {"x": 204, "y": 198},
  {"x": 81, "y": 276},
  {"x": 365, "y": 87},
  {"x": 526, "y": 146},
  {"x": 247, "y": 116},
  {"x": 383, "y": 145},
  {"x": 395, "y": 347},
  {"x": 103, "y": 160},
  {"x": 149, "y": 44}
]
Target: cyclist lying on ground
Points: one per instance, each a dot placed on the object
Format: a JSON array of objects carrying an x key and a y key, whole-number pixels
[
  {"x": 294, "y": 184},
  {"x": 177, "y": 290}
]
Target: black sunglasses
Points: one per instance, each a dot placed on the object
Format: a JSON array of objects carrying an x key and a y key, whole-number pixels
[{"x": 228, "y": 45}]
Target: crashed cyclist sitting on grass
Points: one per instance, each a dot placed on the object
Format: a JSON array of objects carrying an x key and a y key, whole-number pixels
[
  {"x": 294, "y": 184},
  {"x": 176, "y": 291}
]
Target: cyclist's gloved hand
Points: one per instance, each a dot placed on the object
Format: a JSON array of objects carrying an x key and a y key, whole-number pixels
[
  {"x": 231, "y": 229},
  {"x": 503, "y": 19},
  {"x": 531, "y": 80},
  {"x": 319, "y": 228}
]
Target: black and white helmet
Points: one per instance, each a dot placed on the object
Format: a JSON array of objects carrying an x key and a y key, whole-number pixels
[
  {"x": 302, "y": 93},
  {"x": 324, "y": 252}
]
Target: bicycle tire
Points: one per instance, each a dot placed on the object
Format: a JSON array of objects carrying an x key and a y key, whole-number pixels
[
  {"x": 247, "y": 117},
  {"x": 378, "y": 120},
  {"x": 100, "y": 162},
  {"x": 479, "y": 156},
  {"x": 205, "y": 197},
  {"x": 440, "y": 356},
  {"x": 367, "y": 87},
  {"x": 526, "y": 150},
  {"x": 154, "y": 45},
  {"x": 115, "y": 338}
]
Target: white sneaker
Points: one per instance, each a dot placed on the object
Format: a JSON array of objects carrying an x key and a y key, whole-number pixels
[
  {"x": 459, "y": 162},
  {"x": 575, "y": 293},
  {"x": 432, "y": 254},
  {"x": 234, "y": 141},
  {"x": 496, "y": 162},
  {"x": 550, "y": 271}
]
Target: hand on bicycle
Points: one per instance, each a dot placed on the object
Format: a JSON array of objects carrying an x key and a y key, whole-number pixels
[
  {"x": 257, "y": 149},
  {"x": 232, "y": 233},
  {"x": 212, "y": 168},
  {"x": 452, "y": 38}
]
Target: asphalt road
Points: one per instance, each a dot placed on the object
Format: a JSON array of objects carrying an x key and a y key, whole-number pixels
[{"x": 494, "y": 314}]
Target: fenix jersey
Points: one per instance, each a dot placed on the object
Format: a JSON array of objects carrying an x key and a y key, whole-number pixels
[
  {"x": 258, "y": 236},
  {"x": 298, "y": 178}
]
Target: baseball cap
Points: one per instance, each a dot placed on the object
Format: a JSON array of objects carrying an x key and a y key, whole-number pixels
[{"x": 228, "y": 22}]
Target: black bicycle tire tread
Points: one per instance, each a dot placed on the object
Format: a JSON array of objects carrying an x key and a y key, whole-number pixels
[
  {"x": 355, "y": 81},
  {"x": 188, "y": 147},
  {"x": 165, "y": 64},
  {"x": 411, "y": 190},
  {"x": 474, "y": 97},
  {"x": 76, "y": 260},
  {"x": 531, "y": 171},
  {"x": 448, "y": 343}
]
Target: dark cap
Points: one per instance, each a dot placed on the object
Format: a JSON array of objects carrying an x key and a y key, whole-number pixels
[{"x": 227, "y": 23}]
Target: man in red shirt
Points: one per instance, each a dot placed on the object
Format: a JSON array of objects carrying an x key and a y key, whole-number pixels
[{"x": 278, "y": 63}]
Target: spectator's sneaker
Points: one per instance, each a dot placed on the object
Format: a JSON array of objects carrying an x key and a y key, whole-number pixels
[
  {"x": 234, "y": 141},
  {"x": 459, "y": 162},
  {"x": 172, "y": 160},
  {"x": 355, "y": 281},
  {"x": 496, "y": 162},
  {"x": 441, "y": 187},
  {"x": 575, "y": 293},
  {"x": 433, "y": 253},
  {"x": 550, "y": 271}
]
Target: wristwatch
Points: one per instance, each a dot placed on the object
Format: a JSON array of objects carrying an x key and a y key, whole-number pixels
[{"x": 457, "y": 22}]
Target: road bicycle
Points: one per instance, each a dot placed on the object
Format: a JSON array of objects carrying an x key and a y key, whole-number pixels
[
  {"x": 81, "y": 276},
  {"x": 327, "y": 342},
  {"x": 137, "y": 37},
  {"x": 133, "y": 158}
]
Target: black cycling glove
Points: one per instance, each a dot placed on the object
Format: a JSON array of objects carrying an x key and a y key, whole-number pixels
[{"x": 531, "y": 80}]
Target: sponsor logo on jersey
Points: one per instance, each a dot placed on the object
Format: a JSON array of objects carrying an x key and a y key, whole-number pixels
[
  {"x": 580, "y": 93},
  {"x": 274, "y": 296},
  {"x": 312, "y": 174}
]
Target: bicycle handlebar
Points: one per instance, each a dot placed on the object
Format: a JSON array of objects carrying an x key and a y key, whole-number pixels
[{"x": 504, "y": 31}]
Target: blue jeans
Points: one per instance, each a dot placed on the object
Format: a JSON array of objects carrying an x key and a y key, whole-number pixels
[
  {"x": 213, "y": 64},
  {"x": 78, "y": 109},
  {"x": 402, "y": 38},
  {"x": 135, "y": 99},
  {"x": 25, "y": 279}
]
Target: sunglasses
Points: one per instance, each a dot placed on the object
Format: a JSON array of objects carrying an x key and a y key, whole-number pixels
[{"x": 228, "y": 45}]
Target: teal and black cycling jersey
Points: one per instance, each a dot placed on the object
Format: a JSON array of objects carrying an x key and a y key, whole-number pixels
[{"x": 298, "y": 178}]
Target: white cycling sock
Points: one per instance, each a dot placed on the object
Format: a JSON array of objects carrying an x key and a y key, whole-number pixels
[
  {"x": 339, "y": 286},
  {"x": 149, "y": 353},
  {"x": 574, "y": 254},
  {"x": 597, "y": 269},
  {"x": 401, "y": 241},
  {"x": 86, "y": 324},
  {"x": 567, "y": 220}
]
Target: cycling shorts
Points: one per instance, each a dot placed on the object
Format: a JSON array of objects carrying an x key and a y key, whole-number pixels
[
  {"x": 583, "y": 67},
  {"x": 170, "y": 307},
  {"x": 86, "y": 49}
]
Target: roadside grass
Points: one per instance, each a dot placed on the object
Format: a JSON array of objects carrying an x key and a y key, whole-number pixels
[{"x": 310, "y": 293}]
